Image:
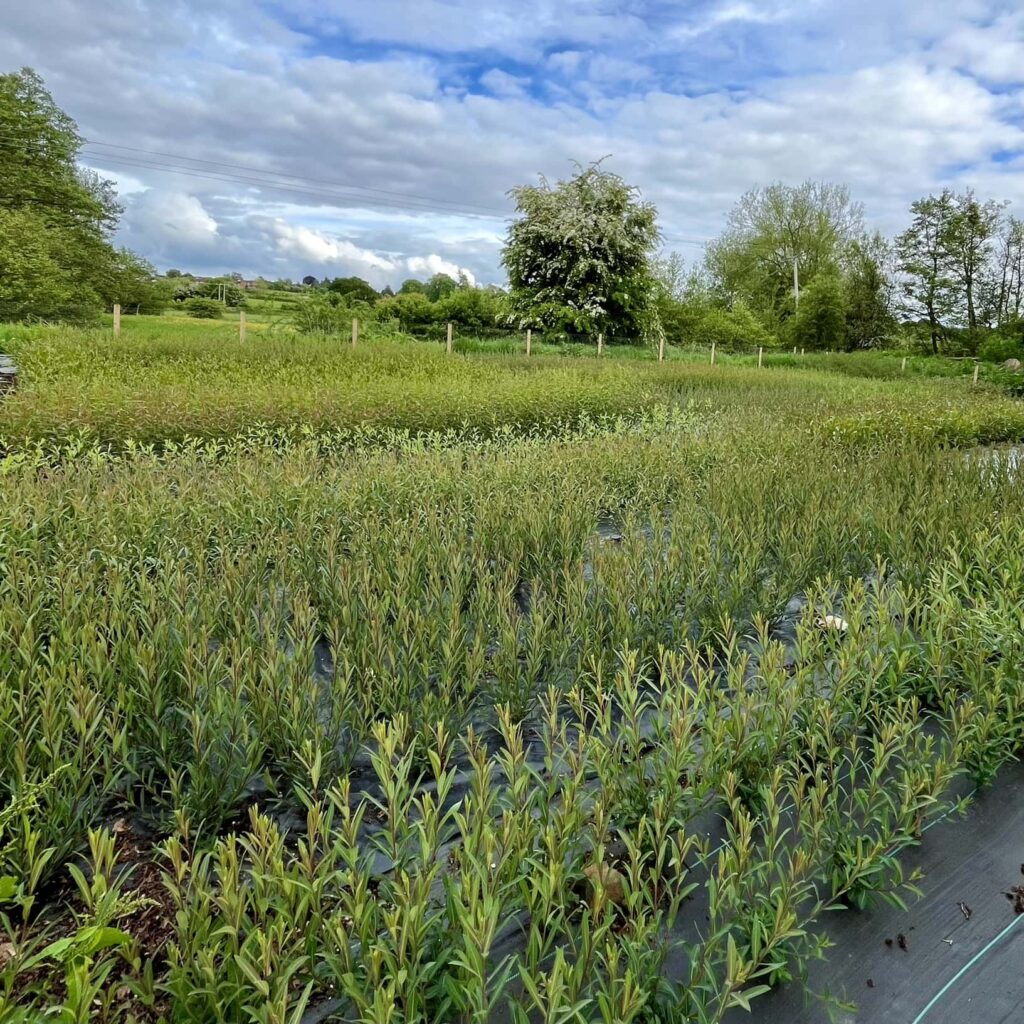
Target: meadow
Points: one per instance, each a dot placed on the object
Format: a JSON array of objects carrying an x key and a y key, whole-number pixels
[{"x": 386, "y": 686}]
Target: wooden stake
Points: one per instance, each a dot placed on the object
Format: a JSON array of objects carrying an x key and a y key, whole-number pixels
[
  {"x": 801, "y": 352},
  {"x": 449, "y": 337},
  {"x": 600, "y": 343},
  {"x": 529, "y": 339},
  {"x": 760, "y": 357},
  {"x": 241, "y": 325},
  {"x": 975, "y": 373},
  {"x": 355, "y": 332},
  {"x": 117, "y": 319},
  {"x": 903, "y": 365},
  {"x": 661, "y": 349},
  {"x": 712, "y": 353}
]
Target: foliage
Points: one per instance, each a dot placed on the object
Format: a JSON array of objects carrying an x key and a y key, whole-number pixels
[
  {"x": 1003, "y": 345},
  {"x": 56, "y": 262},
  {"x": 772, "y": 228},
  {"x": 578, "y": 258},
  {"x": 203, "y": 309},
  {"x": 820, "y": 320},
  {"x": 392, "y": 703},
  {"x": 352, "y": 289},
  {"x": 868, "y": 294},
  {"x": 735, "y": 329}
]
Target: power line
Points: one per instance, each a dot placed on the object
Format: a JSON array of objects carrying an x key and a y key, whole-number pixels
[
  {"x": 322, "y": 194},
  {"x": 296, "y": 177},
  {"x": 298, "y": 184}
]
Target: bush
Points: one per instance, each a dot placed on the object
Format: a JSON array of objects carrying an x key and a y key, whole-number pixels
[
  {"x": 1001, "y": 346},
  {"x": 323, "y": 313},
  {"x": 735, "y": 329},
  {"x": 203, "y": 309}
]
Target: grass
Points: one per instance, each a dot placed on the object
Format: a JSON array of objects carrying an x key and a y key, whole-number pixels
[
  {"x": 463, "y": 689},
  {"x": 166, "y": 380}
]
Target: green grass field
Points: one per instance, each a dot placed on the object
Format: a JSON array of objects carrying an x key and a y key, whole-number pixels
[{"x": 396, "y": 687}]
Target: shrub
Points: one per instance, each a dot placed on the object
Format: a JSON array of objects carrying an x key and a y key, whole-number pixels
[
  {"x": 735, "y": 329},
  {"x": 1002, "y": 346},
  {"x": 203, "y": 309}
]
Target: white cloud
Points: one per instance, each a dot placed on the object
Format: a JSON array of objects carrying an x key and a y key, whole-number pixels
[
  {"x": 434, "y": 264},
  {"x": 176, "y": 216},
  {"x": 318, "y": 248},
  {"x": 501, "y": 83},
  {"x": 893, "y": 97}
]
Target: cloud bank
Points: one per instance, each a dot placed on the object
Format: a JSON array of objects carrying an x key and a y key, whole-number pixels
[{"x": 380, "y": 139}]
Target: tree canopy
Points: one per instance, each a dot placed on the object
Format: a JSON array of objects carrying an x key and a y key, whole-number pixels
[
  {"x": 56, "y": 260},
  {"x": 772, "y": 228},
  {"x": 579, "y": 258}
]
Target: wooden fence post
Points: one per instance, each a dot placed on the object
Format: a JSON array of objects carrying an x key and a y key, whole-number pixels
[
  {"x": 903, "y": 365},
  {"x": 712, "y": 353},
  {"x": 600, "y": 343},
  {"x": 117, "y": 319},
  {"x": 355, "y": 332},
  {"x": 241, "y": 325},
  {"x": 760, "y": 356},
  {"x": 801, "y": 353},
  {"x": 529, "y": 339},
  {"x": 661, "y": 347},
  {"x": 975, "y": 373},
  {"x": 449, "y": 345}
]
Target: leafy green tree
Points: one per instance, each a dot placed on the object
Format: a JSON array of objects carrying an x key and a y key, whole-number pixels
[
  {"x": 409, "y": 311},
  {"x": 684, "y": 298},
  {"x": 42, "y": 188},
  {"x": 734, "y": 330},
  {"x": 867, "y": 287},
  {"x": 34, "y": 279},
  {"x": 772, "y": 228},
  {"x": 1007, "y": 280},
  {"x": 440, "y": 286},
  {"x": 353, "y": 289},
  {"x": 411, "y": 285},
  {"x": 579, "y": 258},
  {"x": 820, "y": 320},
  {"x": 969, "y": 231},
  {"x": 473, "y": 309},
  {"x": 924, "y": 259}
]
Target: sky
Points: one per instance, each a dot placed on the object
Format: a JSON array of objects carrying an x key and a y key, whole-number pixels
[{"x": 380, "y": 137}]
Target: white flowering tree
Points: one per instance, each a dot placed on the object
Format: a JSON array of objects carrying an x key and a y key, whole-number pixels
[{"x": 579, "y": 258}]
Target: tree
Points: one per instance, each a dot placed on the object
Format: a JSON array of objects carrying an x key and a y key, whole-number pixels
[
  {"x": 473, "y": 309},
  {"x": 44, "y": 192},
  {"x": 969, "y": 229},
  {"x": 868, "y": 293},
  {"x": 353, "y": 289},
  {"x": 579, "y": 255},
  {"x": 309, "y": 281},
  {"x": 820, "y": 320},
  {"x": 440, "y": 286},
  {"x": 132, "y": 282},
  {"x": 1008, "y": 283},
  {"x": 925, "y": 261},
  {"x": 684, "y": 299},
  {"x": 772, "y": 228},
  {"x": 736, "y": 329},
  {"x": 412, "y": 286}
]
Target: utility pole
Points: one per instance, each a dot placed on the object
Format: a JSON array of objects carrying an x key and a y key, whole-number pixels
[{"x": 796, "y": 282}]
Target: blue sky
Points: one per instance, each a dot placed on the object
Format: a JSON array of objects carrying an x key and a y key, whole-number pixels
[{"x": 379, "y": 137}]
